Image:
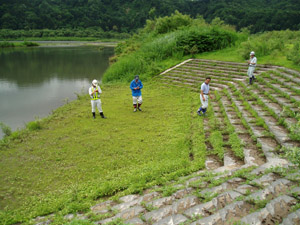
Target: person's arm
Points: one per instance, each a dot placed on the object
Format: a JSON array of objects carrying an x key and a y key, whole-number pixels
[
  {"x": 141, "y": 85},
  {"x": 132, "y": 87},
  {"x": 202, "y": 95},
  {"x": 253, "y": 62},
  {"x": 91, "y": 92}
]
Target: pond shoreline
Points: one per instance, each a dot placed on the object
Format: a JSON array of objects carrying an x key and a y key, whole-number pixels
[{"x": 67, "y": 43}]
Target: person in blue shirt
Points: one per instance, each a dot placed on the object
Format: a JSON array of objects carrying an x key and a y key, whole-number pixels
[{"x": 136, "y": 86}]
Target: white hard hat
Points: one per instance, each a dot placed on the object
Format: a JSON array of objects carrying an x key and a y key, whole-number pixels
[
  {"x": 252, "y": 53},
  {"x": 95, "y": 82}
]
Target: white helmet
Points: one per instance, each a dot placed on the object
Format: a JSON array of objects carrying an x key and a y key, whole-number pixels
[
  {"x": 95, "y": 82},
  {"x": 252, "y": 53}
]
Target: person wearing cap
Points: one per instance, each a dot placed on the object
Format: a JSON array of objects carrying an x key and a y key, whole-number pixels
[
  {"x": 204, "y": 96},
  {"x": 94, "y": 92},
  {"x": 252, "y": 64},
  {"x": 136, "y": 86}
]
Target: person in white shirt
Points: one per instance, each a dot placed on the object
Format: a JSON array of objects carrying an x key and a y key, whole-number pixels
[
  {"x": 252, "y": 64},
  {"x": 204, "y": 96},
  {"x": 94, "y": 92}
]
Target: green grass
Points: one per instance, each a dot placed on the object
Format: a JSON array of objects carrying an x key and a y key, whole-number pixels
[
  {"x": 71, "y": 160},
  {"x": 233, "y": 54},
  {"x": 6, "y": 44}
]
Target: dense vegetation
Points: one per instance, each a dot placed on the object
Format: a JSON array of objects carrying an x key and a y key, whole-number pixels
[
  {"x": 127, "y": 16},
  {"x": 171, "y": 37},
  {"x": 166, "y": 41}
]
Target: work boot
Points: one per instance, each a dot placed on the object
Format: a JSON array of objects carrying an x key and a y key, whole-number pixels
[
  {"x": 102, "y": 115},
  {"x": 94, "y": 115}
]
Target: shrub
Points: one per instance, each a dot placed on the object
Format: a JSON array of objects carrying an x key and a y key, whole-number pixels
[
  {"x": 5, "y": 129},
  {"x": 30, "y": 44},
  {"x": 294, "y": 55},
  {"x": 34, "y": 125},
  {"x": 144, "y": 57}
]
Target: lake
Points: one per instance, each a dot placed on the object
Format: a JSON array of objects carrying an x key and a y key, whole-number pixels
[{"x": 35, "y": 81}]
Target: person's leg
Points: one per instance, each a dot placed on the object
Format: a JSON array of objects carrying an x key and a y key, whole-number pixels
[
  {"x": 140, "y": 101},
  {"x": 201, "y": 107},
  {"x": 134, "y": 99},
  {"x": 93, "y": 108},
  {"x": 99, "y": 106},
  {"x": 205, "y": 104}
]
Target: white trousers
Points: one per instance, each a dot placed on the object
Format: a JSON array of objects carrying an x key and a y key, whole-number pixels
[
  {"x": 97, "y": 103},
  {"x": 137, "y": 99},
  {"x": 251, "y": 71},
  {"x": 204, "y": 103}
]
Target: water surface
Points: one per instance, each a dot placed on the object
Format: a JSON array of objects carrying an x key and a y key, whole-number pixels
[{"x": 35, "y": 81}]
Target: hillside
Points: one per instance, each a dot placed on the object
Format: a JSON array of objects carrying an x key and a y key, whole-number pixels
[{"x": 128, "y": 16}]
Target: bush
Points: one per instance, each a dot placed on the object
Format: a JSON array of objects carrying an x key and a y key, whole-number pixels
[
  {"x": 294, "y": 55},
  {"x": 5, "y": 129},
  {"x": 6, "y": 44},
  {"x": 30, "y": 44},
  {"x": 144, "y": 57},
  {"x": 34, "y": 125}
]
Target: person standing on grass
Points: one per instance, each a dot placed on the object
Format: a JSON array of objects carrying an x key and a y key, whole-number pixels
[
  {"x": 136, "y": 86},
  {"x": 94, "y": 92},
  {"x": 204, "y": 97},
  {"x": 252, "y": 64}
]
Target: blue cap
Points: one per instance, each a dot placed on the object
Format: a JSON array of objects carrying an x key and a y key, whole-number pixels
[{"x": 136, "y": 77}]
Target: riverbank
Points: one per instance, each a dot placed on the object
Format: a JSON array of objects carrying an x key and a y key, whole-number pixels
[
  {"x": 42, "y": 43},
  {"x": 71, "y": 160}
]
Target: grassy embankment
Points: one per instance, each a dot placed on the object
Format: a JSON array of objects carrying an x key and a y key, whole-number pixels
[{"x": 73, "y": 160}]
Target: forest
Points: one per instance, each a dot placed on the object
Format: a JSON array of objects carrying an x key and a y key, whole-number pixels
[{"x": 128, "y": 16}]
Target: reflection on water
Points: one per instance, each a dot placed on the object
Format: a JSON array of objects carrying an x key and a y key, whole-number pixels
[{"x": 35, "y": 81}]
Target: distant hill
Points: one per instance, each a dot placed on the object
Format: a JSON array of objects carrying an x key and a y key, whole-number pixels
[{"x": 127, "y": 16}]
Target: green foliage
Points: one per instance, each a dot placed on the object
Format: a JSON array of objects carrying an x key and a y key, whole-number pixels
[
  {"x": 125, "y": 17},
  {"x": 60, "y": 34},
  {"x": 236, "y": 145},
  {"x": 145, "y": 53},
  {"x": 216, "y": 140},
  {"x": 294, "y": 55},
  {"x": 270, "y": 43},
  {"x": 168, "y": 24},
  {"x": 34, "y": 125},
  {"x": 293, "y": 154},
  {"x": 5, "y": 129},
  {"x": 6, "y": 44}
]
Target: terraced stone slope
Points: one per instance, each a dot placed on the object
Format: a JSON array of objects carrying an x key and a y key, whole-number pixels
[{"x": 246, "y": 180}]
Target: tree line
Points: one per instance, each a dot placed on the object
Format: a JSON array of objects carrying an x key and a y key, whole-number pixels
[{"x": 128, "y": 16}]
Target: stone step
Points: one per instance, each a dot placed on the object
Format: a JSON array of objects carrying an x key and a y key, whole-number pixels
[
  {"x": 292, "y": 218},
  {"x": 273, "y": 213},
  {"x": 176, "y": 207}
]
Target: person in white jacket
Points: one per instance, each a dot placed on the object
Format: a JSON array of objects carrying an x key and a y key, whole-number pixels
[
  {"x": 94, "y": 92},
  {"x": 252, "y": 64}
]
